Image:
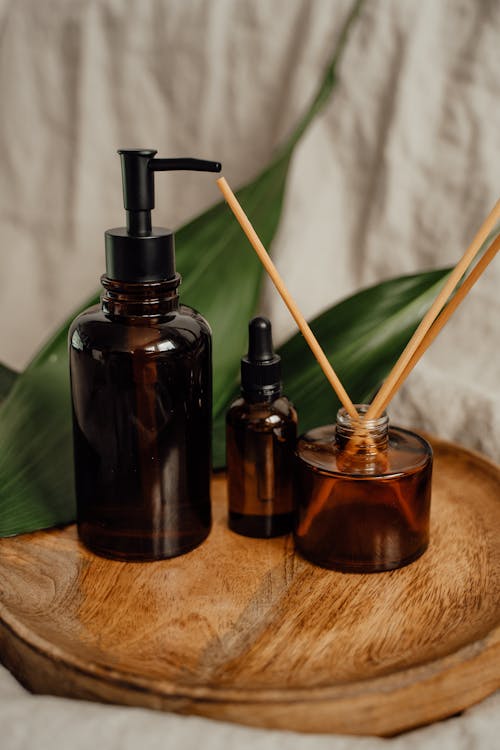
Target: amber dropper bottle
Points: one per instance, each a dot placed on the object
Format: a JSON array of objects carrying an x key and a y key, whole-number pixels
[
  {"x": 261, "y": 430},
  {"x": 363, "y": 495}
]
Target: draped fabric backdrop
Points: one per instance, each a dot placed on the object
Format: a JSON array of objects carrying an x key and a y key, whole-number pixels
[{"x": 394, "y": 177}]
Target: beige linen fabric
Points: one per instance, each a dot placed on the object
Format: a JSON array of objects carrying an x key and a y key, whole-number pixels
[
  {"x": 394, "y": 177},
  {"x": 45, "y": 723}
]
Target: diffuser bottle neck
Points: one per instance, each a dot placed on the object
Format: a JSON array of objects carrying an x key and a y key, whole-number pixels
[
  {"x": 146, "y": 300},
  {"x": 362, "y": 445}
]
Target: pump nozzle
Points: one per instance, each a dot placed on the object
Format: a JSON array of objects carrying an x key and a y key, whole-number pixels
[
  {"x": 138, "y": 166},
  {"x": 142, "y": 252},
  {"x": 192, "y": 165}
]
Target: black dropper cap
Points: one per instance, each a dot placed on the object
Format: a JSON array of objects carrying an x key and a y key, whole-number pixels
[
  {"x": 261, "y": 368},
  {"x": 140, "y": 252}
]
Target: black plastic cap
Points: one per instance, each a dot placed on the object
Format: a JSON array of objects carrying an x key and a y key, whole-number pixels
[
  {"x": 141, "y": 258},
  {"x": 261, "y": 368}
]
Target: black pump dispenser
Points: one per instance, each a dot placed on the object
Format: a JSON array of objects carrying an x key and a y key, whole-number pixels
[
  {"x": 261, "y": 368},
  {"x": 140, "y": 252}
]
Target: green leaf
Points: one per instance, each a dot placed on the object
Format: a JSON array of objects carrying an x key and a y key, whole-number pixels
[
  {"x": 362, "y": 336},
  {"x": 7, "y": 378},
  {"x": 222, "y": 278},
  {"x": 36, "y": 472},
  {"x": 36, "y": 462}
]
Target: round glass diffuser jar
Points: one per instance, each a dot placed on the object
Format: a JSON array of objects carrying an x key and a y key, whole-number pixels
[{"x": 363, "y": 495}]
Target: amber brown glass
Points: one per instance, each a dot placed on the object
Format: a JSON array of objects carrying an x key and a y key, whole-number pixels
[
  {"x": 363, "y": 495},
  {"x": 260, "y": 443},
  {"x": 141, "y": 387}
]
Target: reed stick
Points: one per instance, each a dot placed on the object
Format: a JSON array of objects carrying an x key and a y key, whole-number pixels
[
  {"x": 390, "y": 386},
  {"x": 450, "y": 308},
  {"x": 278, "y": 282}
]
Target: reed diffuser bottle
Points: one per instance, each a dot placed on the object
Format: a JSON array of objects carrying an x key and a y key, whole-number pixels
[
  {"x": 363, "y": 495},
  {"x": 261, "y": 430},
  {"x": 141, "y": 386}
]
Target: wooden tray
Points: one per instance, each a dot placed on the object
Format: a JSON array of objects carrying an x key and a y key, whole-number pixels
[{"x": 245, "y": 631}]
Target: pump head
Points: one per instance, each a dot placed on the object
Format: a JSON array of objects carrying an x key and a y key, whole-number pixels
[{"x": 140, "y": 252}]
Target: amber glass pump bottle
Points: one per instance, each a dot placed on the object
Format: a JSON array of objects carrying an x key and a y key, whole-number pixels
[
  {"x": 141, "y": 376},
  {"x": 261, "y": 429}
]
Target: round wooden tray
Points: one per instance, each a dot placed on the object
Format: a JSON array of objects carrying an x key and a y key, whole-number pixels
[{"x": 244, "y": 630}]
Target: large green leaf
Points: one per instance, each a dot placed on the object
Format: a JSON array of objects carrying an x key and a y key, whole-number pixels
[
  {"x": 221, "y": 278},
  {"x": 7, "y": 378},
  {"x": 36, "y": 462},
  {"x": 362, "y": 336}
]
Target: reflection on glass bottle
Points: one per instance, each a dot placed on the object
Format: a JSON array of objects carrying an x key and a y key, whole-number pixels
[
  {"x": 261, "y": 429},
  {"x": 363, "y": 495}
]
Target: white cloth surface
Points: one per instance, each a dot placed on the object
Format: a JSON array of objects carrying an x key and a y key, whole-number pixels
[
  {"x": 394, "y": 177},
  {"x": 35, "y": 722}
]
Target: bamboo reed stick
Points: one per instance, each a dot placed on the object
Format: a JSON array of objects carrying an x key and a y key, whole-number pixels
[
  {"x": 278, "y": 282},
  {"x": 389, "y": 387},
  {"x": 450, "y": 308}
]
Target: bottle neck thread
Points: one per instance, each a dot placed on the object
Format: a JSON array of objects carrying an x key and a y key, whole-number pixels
[
  {"x": 362, "y": 444},
  {"x": 263, "y": 395},
  {"x": 147, "y": 299}
]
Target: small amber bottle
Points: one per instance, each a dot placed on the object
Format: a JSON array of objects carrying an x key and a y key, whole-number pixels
[
  {"x": 260, "y": 438},
  {"x": 363, "y": 494}
]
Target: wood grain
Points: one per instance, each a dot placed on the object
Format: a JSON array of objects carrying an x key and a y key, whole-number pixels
[{"x": 244, "y": 630}]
